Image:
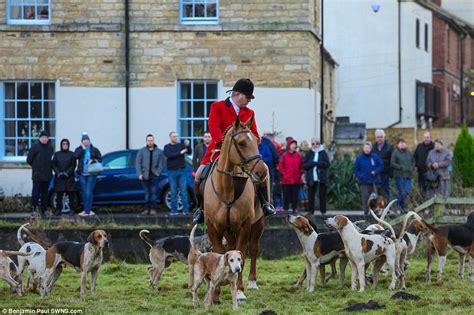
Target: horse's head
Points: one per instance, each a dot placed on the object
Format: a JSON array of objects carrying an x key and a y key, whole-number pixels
[{"x": 241, "y": 147}]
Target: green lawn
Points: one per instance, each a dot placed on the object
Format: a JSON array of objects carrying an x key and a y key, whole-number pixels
[{"x": 123, "y": 288}]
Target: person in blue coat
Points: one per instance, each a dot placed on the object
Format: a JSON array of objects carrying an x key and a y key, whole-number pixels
[
  {"x": 368, "y": 168},
  {"x": 270, "y": 156}
]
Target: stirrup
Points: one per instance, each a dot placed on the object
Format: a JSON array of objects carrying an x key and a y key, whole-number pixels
[
  {"x": 268, "y": 209},
  {"x": 198, "y": 217}
]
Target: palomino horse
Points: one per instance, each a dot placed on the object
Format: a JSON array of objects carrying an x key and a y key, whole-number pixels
[{"x": 231, "y": 208}]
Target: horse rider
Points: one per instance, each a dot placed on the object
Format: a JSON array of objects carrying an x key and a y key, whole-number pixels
[{"x": 223, "y": 114}]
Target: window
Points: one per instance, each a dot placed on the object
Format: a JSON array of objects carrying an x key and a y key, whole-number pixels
[
  {"x": 194, "y": 103},
  {"x": 449, "y": 44},
  {"x": 28, "y": 12},
  {"x": 117, "y": 161},
  {"x": 199, "y": 11},
  {"x": 28, "y": 108},
  {"x": 427, "y": 100},
  {"x": 426, "y": 37},
  {"x": 417, "y": 33}
]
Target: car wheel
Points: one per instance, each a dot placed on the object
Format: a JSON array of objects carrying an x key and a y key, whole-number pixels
[
  {"x": 167, "y": 200},
  {"x": 66, "y": 202}
]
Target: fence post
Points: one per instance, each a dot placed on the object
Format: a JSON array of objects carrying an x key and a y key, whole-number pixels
[{"x": 439, "y": 206}]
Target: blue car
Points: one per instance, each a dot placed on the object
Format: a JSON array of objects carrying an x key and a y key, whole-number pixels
[{"x": 119, "y": 183}]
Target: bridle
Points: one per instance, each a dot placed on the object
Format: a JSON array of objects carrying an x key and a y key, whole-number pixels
[{"x": 243, "y": 160}]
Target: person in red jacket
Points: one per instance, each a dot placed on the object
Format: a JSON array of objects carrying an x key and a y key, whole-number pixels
[
  {"x": 223, "y": 114},
  {"x": 291, "y": 169}
]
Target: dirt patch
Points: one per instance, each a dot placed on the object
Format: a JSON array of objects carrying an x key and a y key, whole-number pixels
[
  {"x": 405, "y": 296},
  {"x": 370, "y": 305}
]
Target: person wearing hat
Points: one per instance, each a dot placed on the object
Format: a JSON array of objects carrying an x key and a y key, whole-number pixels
[
  {"x": 86, "y": 154},
  {"x": 64, "y": 165},
  {"x": 438, "y": 162},
  {"x": 39, "y": 157},
  {"x": 223, "y": 114}
]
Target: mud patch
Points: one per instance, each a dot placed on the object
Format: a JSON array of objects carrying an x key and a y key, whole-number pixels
[
  {"x": 370, "y": 305},
  {"x": 405, "y": 296}
]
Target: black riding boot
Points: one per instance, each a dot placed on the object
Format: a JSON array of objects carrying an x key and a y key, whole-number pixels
[
  {"x": 267, "y": 207},
  {"x": 198, "y": 216}
]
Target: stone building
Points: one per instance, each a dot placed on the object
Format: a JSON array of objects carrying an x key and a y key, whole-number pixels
[{"x": 63, "y": 68}]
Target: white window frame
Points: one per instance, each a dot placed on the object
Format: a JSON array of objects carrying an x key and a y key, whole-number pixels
[
  {"x": 191, "y": 119},
  {"x": 197, "y": 20},
  {"x": 22, "y": 158},
  {"x": 35, "y": 21}
]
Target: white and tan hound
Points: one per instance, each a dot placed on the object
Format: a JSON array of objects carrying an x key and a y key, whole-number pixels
[
  {"x": 459, "y": 237},
  {"x": 6, "y": 269},
  {"x": 216, "y": 269},
  {"x": 84, "y": 257},
  {"x": 318, "y": 250},
  {"x": 361, "y": 249}
]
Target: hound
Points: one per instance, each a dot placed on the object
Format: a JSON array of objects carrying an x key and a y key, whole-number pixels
[
  {"x": 319, "y": 250},
  {"x": 460, "y": 237},
  {"x": 6, "y": 269},
  {"x": 169, "y": 249},
  {"x": 215, "y": 269},
  {"x": 362, "y": 249},
  {"x": 36, "y": 263},
  {"x": 84, "y": 257}
]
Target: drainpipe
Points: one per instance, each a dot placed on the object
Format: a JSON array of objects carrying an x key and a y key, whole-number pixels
[
  {"x": 461, "y": 97},
  {"x": 399, "y": 70},
  {"x": 321, "y": 120},
  {"x": 127, "y": 75}
]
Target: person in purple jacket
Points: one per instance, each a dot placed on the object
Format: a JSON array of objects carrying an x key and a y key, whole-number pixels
[{"x": 367, "y": 168}]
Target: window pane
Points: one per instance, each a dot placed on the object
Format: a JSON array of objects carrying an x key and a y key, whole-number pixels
[
  {"x": 42, "y": 1},
  {"x": 188, "y": 11},
  {"x": 185, "y": 128},
  {"x": 185, "y": 108},
  {"x": 22, "y": 128},
  {"x": 420, "y": 100},
  {"x": 29, "y": 12},
  {"x": 48, "y": 90},
  {"x": 9, "y": 147},
  {"x": 36, "y": 110},
  {"x": 50, "y": 127},
  {"x": 43, "y": 12},
  {"x": 22, "y": 91},
  {"x": 199, "y": 91},
  {"x": 35, "y": 91},
  {"x": 23, "y": 147},
  {"x": 208, "y": 108},
  {"x": 49, "y": 110},
  {"x": 211, "y": 10},
  {"x": 199, "y": 10},
  {"x": 9, "y": 128},
  {"x": 22, "y": 110},
  {"x": 15, "y": 12},
  {"x": 198, "y": 110},
  {"x": 185, "y": 90},
  {"x": 9, "y": 91},
  {"x": 199, "y": 127},
  {"x": 118, "y": 162},
  {"x": 211, "y": 90},
  {"x": 36, "y": 127},
  {"x": 9, "y": 109}
]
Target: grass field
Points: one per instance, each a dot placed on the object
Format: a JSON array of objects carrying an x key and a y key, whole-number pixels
[{"x": 123, "y": 289}]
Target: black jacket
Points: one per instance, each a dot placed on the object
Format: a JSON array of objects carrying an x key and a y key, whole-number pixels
[
  {"x": 385, "y": 155},
  {"x": 421, "y": 155},
  {"x": 39, "y": 158},
  {"x": 79, "y": 156},
  {"x": 174, "y": 158},
  {"x": 322, "y": 164},
  {"x": 199, "y": 152},
  {"x": 64, "y": 165}
]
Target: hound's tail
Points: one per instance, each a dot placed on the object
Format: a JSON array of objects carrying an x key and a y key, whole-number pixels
[
  {"x": 405, "y": 221},
  {"x": 13, "y": 253},
  {"x": 145, "y": 238},
  {"x": 31, "y": 235},
  {"x": 431, "y": 227},
  {"x": 194, "y": 252},
  {"x": 385, "y": 211},
  {"x": 384, "y": 223}
]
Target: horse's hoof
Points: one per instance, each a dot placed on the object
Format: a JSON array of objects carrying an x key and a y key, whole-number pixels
[
  {"x": 216, "y": 302},
  {"x": 241, "y": 298},
  {"x": 252, "y": 285}
]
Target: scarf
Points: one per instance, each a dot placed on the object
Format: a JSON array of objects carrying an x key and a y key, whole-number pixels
[{"x": 87, "y": 157}]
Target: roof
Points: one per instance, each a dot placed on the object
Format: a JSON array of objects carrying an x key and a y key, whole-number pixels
[{"x": 456, "y": 22}]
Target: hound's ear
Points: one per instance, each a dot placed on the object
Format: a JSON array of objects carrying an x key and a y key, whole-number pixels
[
  {"x": 91, "y": 238},
  {"x": 242, "y": 256},
  {"x": 249, "y": 122},
  {"x": 237, "y": 122},
  {"x": 226, "y": 259},
  {"x": 307, "y": 229}
]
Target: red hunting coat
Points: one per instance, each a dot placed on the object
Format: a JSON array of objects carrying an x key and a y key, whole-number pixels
[{"x": 221, "y": 117}]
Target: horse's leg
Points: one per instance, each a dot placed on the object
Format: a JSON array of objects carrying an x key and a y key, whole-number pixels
[
  {"x": 256, "y": 232},
  {"x": 242, "y": 242}
]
